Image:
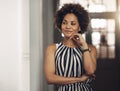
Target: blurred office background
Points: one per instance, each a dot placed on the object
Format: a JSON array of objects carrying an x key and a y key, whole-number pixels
[{"x": 26, "y": 28}]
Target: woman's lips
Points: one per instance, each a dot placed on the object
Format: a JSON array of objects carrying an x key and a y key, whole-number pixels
[{"x": 67, "y": 31}]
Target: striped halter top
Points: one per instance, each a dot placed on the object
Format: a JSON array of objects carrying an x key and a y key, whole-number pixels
[{"x": 69, "y": 63}]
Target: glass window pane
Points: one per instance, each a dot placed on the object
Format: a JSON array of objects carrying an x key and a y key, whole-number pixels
[
  {"x": 103, "y": 35},
  {"x": 95, "y": 38},
  {"x": 112, "y": 52},
  {"x": 111, "y": 25},
  {"x": 97, "y": 8},
  {"x": 64, "y": 1},
  {"x": 103, "y": 52},
  {"x": 94, "y": 5},
  {"x": 102, "y": 6},
  {"x": 111, "y": 39},
  {"x": 110, "y": 5},
  {"x": 98, "y": 23}
]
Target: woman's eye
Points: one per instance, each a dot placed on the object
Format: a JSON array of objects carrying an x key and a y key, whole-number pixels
[
  {"x": 64, "y": 23},
  {"x": 73, "y": 24}
]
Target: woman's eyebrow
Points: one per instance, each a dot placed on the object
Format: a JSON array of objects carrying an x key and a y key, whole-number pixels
[
  {"x": 64, "y": 20},
  {"x": 68, "y": 21}
]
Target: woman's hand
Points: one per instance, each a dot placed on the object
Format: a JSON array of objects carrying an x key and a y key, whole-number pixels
[
  {"x": 78, "y": 39},
  {"x": 84, "y": 78}
]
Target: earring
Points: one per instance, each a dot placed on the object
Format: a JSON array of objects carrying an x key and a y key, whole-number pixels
[{"x": 79, "y": 31}]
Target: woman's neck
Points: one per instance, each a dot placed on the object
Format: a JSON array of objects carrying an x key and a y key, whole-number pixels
[{"x": 68, "y": 42}]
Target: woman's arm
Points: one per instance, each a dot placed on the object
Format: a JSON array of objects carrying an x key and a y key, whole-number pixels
[
  {"x": 49, "y": 68},
  {"x": 89, "y": 58}
]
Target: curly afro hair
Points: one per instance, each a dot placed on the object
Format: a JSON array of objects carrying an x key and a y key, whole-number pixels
[{"x": 77, "y": 10}]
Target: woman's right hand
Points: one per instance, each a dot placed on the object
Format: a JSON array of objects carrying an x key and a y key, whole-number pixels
[{"x": 84, "y": 78}]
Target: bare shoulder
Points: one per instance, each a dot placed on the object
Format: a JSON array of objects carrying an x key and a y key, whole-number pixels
[{"x": 51, "y": 47}]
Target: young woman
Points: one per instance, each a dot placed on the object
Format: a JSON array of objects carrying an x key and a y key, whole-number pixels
[{"x": 71, "y": 63}]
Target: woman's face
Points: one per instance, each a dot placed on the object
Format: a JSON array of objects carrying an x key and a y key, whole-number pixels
[{"x": 70, "y": 25}]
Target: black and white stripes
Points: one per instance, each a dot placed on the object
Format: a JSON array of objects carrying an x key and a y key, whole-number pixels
[{"x": 69, "y": 63}]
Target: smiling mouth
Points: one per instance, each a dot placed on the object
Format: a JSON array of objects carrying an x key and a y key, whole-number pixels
[{"x": 68, "y": 31}]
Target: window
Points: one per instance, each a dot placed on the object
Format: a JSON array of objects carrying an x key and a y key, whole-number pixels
[{"x": 103, "y": 37}]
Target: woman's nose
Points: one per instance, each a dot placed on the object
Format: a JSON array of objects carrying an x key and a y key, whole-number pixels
[{"x": 67, "y": 26}]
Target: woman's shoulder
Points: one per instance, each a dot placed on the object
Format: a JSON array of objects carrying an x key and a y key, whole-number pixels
[{"x": 51, "y": 47}]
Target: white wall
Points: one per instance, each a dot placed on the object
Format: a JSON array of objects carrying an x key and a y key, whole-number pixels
[{"x": 14, "y": 45}]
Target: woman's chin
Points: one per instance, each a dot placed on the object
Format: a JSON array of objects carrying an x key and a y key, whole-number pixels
[{"x": 68, "y": 35}]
